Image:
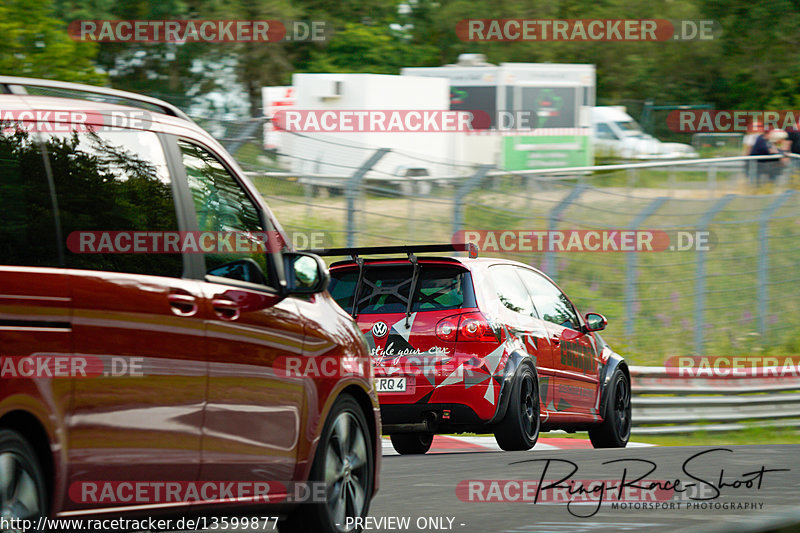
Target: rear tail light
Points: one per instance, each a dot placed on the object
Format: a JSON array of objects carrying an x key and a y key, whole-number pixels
[
  {"x": 447, "y": 328},
  {"x": 475, "y": 327},
  {"x": 470, "y": 327}
]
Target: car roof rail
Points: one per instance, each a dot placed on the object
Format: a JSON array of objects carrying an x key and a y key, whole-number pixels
[
  {"x": 18, "y": 85},
  {"x": 408, "y": 249}
]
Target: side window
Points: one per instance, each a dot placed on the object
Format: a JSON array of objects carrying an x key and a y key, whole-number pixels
[
  {"x": 603, "y": 131},
  {"x": 552, "y": 304},
  {"x": 113, "y": 182},
  {"x": 342, "y": 287},
  {"x": 27, "y": 233},
  {"x": 222, "y": 205},
  {"x": 510, "y": 290}
]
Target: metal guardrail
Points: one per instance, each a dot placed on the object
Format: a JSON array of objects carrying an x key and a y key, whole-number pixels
[{"x": 665, "y": 403}]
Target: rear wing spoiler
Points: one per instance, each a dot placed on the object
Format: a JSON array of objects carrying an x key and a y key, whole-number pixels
[
  {"x": 410, "y": 250},
  {"x": 404, "y": 249}
]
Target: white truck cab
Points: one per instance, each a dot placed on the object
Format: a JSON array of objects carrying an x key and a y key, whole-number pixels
[{"x": 616, "y": 134}]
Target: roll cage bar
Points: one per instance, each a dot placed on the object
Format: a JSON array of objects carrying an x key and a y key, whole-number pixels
[{"x": 409, "y": 250}]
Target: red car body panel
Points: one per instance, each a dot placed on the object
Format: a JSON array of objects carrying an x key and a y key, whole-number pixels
[
  {"x": 471, "y": 373},
  {"x": 211, "y": 405}
]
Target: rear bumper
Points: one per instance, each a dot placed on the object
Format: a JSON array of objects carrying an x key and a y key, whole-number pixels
[{"x": 430, "y": 418}]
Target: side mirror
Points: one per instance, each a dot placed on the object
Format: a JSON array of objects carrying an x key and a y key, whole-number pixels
[
  {"x": 305, "y": 273},
  {"x": 595, "y": 322},
  {"x": 244, "y": 270}
]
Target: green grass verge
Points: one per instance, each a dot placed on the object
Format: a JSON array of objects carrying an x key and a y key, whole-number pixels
[
  {"x": 660, "y": 321},
  {"x": 765, "y": 435},
  {"x": 726, "y": 438}
]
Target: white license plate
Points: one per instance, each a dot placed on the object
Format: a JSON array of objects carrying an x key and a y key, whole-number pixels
[{"x": 390, "y": 384}]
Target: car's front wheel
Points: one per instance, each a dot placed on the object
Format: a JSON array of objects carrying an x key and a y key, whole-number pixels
[
  {"x": 344, "y": 464},
  {"x": 412, "y": 443},
  {"x": 519, "y": 429},
  {"x": 615, "y": 430},
  {"x": 22, "y": 489}
]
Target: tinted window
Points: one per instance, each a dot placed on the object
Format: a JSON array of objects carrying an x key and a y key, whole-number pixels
[
  {"x": 114, "y": 181},
  {"x": 27, "y": 232},
  {"x": 604, "y": 131},
  {"x": 551, "y": 303},
  {"x": 385, "y": 289},
  {"x": 510, "y": 290},
  {"x": 222, "y": 205}
]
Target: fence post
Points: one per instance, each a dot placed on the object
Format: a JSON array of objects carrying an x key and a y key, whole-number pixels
[
  {"x": 631, "y": 172},
  {"x": 700, "y": 279},
  {"x": 712, "y": 179},
  {"x": 751, "y": 167},
  {"x": 763, "y": 261},
  {"x": 552, "y": 221},
  {"x": 249, "y": 132},
  {"x": 462, "y": 192},
  {"x": 631, "y": 271},
  {"x": 353, "y": 186}
]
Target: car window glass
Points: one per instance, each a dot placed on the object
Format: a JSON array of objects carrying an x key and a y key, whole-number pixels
[
  {"x": 603, "y": 131},
  {"x": 222, "y": 205},
  {"x": 113, "y": 181},
  {"x": 27, "y": 234},
  {"x": 552, "y": 305},
  {"x": 510, "y": 290},
  {"x": 385, "y": 289}
]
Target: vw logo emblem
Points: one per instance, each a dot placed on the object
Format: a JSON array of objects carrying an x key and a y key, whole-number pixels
[{"x": 380, "y": 329}]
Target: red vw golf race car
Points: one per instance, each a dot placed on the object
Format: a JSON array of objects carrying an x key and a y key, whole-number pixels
[{"x": 480, "y": 345}]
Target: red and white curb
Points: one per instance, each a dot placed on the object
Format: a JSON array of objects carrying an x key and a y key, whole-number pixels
[{"x": 453, "y": 444}]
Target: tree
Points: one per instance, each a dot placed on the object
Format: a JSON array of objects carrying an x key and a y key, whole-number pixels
[
  {"x": 36, "y": 44},
  {"x": 373, "y": 49}
]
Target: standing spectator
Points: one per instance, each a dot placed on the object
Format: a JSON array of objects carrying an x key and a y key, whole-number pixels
[
  {"x": 765, "y": 144},
  {"x": 793, "y": 140},
  {"x": 793, "y": 136},
  {"x": 749, "y": 139}
]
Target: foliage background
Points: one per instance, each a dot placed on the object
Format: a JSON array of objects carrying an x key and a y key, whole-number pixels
[{"x": 753, "y": 64}]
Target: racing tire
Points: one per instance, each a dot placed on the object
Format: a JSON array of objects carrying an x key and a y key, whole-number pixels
[
  {"x": 22, "y": 489},
  {"x": 615, "y": 430},
  {"x": 519, "y": 428},
  {"x": 412, "y": 443},
  {"x": 344, "y": 462}
]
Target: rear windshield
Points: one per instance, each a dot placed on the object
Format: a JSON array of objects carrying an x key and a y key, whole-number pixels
[{"x": 385, "y": 289}]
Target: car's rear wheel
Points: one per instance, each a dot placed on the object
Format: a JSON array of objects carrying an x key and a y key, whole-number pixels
[
  {"x": 615, "y": 430},
  {"x": 344, "y": 464},
  {"x": 412, "y": 443},
  {"x": 519, "y": 429},
  {"x": 22, "y": 488}
]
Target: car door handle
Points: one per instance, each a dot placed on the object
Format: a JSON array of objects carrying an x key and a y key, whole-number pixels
[
  {"x": 555, "y": 340},
  {"x": 225, "y": 309},
  {"x": 182, "y": 304}
]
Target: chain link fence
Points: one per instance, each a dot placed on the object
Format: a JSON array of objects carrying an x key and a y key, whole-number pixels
[{"x": 739, "y": 294}]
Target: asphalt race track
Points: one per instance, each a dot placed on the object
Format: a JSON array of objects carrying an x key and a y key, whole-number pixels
[
  {"x": 425, "y": 486},
  {"x": 734, "y": 487}
]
